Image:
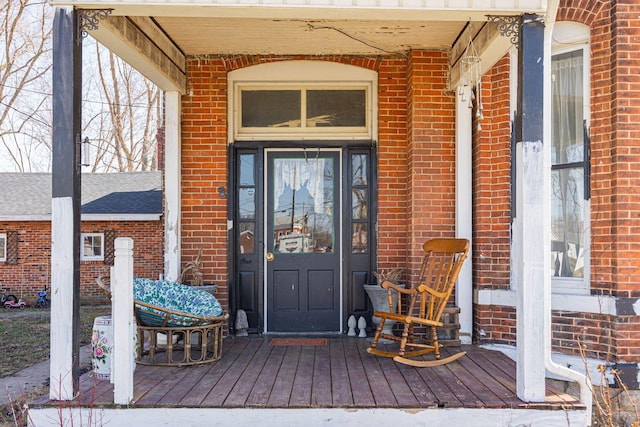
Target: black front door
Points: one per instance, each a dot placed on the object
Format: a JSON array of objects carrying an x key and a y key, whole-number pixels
[
  {"x": 312, "y": 213},
  {"x": 302, "y": 241}
]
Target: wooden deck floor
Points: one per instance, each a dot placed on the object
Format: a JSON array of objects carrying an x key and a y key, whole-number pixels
[{"x": 341, "y": 374}]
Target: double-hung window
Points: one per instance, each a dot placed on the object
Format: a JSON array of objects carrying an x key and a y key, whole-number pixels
[{"x": 570, "y": 164}]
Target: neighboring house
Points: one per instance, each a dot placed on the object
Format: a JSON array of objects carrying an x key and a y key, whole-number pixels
[
  {"x": 113, "y": 205},
  {"x": 368, "y": 119}
]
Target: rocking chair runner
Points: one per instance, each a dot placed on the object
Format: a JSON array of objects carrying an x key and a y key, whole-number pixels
[{"x": 424, "y": 304}]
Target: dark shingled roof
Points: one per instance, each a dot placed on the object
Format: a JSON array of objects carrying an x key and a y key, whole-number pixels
[{"x": 102, "y": 193}]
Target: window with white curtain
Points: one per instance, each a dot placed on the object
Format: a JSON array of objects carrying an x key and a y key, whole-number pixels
[{"x": 570, "y": 221}]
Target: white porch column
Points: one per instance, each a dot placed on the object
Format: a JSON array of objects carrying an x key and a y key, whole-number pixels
[
  {"x": 172, "y": 173},
  {"x": 531, "y": 302},
  {"x": 464, "y": 286},
  {"x": 123, "y": 325}
]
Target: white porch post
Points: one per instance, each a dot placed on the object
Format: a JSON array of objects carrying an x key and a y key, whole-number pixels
[
  {"x": 123, "y": 325},
  {"x": 172, "y": 172},
  {"x": 531, "y": 303},
  {"x": 464, "y": 286},
  {"x": 65, "y": 207}
]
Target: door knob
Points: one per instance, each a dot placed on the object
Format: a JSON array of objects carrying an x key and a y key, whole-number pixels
[{"x": 270, "y": 256}]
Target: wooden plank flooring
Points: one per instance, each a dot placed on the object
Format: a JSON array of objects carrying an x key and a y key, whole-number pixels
[{"x": 340, "y": 374}]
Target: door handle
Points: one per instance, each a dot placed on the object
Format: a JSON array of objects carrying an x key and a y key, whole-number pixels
[{"x": 270, "y": 256}]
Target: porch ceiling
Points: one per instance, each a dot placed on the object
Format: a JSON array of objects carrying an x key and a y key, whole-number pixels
[
  {"x": 157, "y": 39},
  {"x": 202, "y": 36}
]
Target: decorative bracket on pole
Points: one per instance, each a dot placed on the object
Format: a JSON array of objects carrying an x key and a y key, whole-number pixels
[
  {"x": 508, "y": 25},
  {"x": 89, "y": 19}
]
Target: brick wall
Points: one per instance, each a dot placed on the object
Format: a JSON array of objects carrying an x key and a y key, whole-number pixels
[
  {"x": 204, "y": 170},
  {"x": 430, "y": 153},
  {"x": 492, "y": 182},
  {"x": 492, "y": 205},
  {"x": 392, "y": 164},
  {"x": 32, "y": 273}
]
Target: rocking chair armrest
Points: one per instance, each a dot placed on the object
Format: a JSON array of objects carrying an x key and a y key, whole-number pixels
[
  {"x": 423, "y": 321},
  {"x": 429, "y": 290},
  {"x": 387, "y": 285},
  {"x": 398, "y": 317}
]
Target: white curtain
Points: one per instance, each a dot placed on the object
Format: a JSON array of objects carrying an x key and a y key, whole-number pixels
[
  {"x": 294, "y": 173},
  {"x": 567, "y": 114}
]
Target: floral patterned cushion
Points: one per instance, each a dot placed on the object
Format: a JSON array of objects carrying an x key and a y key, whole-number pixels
[{"x": 176, "y": 297}]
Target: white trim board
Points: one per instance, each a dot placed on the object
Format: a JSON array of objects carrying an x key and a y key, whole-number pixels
[
  {"x": 562, "y": 302},
  {"x": 349, "y": 417}
]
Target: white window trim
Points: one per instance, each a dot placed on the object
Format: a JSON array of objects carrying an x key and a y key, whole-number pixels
[
  {"x": 567, "y": 36},
  {"x": 560, "y": 301},
  {"x": 316, "y": 75},
  {"x": 570, "y": 37},
  {"x": 92, "y": 258},
  {"x": 3, "y": 244}
]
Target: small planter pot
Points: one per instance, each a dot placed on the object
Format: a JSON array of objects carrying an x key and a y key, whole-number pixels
[
  {"x": 102, "y": 347},
  {"x": 380, "y": 302}
]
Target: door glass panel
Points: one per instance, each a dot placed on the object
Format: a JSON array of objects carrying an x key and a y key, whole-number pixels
[
  {"x": 336, "y": 108},
  {"x": 247, "y": 164},
  {"x": 359, "y": 167},
  {"x": 247, "y": 203},
  {"x": 271, "y": 108},
  {"x": 303, "y": 209},
  {"x": 360, "y": 237},
  {"x": 359, "y": 203},
  {"x": 247, "y": 237}
]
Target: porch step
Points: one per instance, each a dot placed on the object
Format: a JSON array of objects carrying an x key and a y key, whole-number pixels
[{"x": 319, "y": 417}]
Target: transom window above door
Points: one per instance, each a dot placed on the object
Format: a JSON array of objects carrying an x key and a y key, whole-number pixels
[
  {"x": 303, "y": 108},
  {"x": 303, "y": 111},
  {"x": 333, "y": 101}
]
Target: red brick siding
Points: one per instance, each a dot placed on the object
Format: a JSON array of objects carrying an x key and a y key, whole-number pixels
[
  {"x": 492, "y": 204},
  {"x": 204, "y": 170},
  {"x": 593, "y": 331},
  {"x": 491, "y": 182},
  {"x": 430, "y": 153},
  {"x": 32, "y": 273},
  {"x": 392, "y": 164},
  {"x": 494, "y": 324}
]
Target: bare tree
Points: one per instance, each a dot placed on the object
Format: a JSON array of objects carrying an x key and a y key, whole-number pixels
[
  {"x": 128, "y": 122},
  {"x": 25, "y": 62},
  {"x": 120, "y": 110}
]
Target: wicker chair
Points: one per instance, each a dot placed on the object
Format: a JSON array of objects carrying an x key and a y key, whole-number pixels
[{"x": 177, "y": 325}]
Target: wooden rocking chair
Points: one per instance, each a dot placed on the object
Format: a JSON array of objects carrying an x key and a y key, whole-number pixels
[{"x": 423, "y": 304}]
